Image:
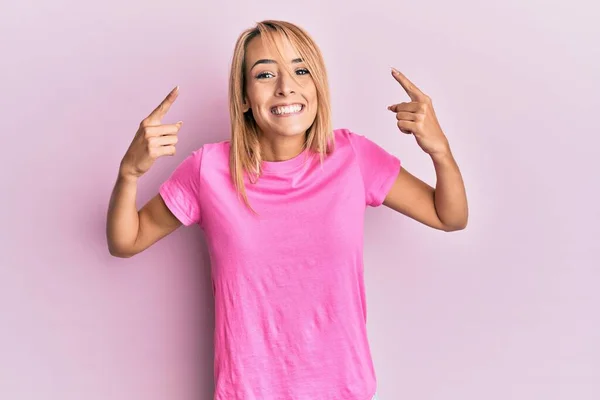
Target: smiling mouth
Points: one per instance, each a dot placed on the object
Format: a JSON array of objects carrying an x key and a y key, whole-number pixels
[{"x": 287, "y": 110}]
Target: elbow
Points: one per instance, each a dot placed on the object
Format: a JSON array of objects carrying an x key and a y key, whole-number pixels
[
  {"x": 455, "y": 227},
  {"x": 120, "y": 248},
  {"x": 119, "y": 252},
  {"x": 120, "y": 255}
]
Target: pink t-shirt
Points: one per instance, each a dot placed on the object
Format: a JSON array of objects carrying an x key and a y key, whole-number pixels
[{"x": 290, "y": 307}]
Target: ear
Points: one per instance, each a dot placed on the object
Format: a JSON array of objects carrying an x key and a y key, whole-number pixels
[{"x": 245, "y": 106}]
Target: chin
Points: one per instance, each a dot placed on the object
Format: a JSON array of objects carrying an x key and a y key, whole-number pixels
[{"x": 292, "y": 131}]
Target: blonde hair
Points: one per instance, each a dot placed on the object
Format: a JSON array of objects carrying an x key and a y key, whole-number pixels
[{"x": 245, "y": 155}]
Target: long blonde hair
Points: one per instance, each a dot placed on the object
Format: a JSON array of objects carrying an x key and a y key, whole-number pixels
[{"x": 245, "y": 155}]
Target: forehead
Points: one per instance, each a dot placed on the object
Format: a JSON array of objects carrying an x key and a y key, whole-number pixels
[{"x": 257, "y": 50}]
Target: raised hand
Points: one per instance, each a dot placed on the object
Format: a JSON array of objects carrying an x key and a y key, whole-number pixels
[
  {"x": 152, "y": 140},
  {"x": 418, "y": 118}
]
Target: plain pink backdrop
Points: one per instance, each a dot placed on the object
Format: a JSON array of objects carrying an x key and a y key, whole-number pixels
[{"x": 507, "y": 309}]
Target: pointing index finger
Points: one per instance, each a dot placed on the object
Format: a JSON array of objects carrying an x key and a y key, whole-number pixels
[
  {"x": 411, "y": 89},
  {"x": 159, "y": 112}
]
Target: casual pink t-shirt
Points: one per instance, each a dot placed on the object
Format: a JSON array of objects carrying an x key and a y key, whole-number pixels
[{"x": 290, "y": 307}]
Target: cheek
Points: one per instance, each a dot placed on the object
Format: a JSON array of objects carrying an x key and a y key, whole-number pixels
[
  {"x": 261, "y": 101},
  {"x": 254, "y": 94},
  {"x": 313, "y": 98},
  {"x": 313, "y": 93}
]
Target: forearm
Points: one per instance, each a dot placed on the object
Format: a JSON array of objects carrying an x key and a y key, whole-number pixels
[
  {"x": 450, "y": 196},
  {"x": 122, "y": 223}
]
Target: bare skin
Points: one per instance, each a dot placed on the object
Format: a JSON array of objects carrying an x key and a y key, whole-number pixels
[
  {"x": 128, "y": 231},
  {"x": 445, "y": 207}
]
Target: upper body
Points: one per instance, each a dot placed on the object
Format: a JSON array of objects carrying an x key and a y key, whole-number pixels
[{"x": 290, "y": 306}]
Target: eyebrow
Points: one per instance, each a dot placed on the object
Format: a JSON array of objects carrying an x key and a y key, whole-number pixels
[{"x": 268, "y": 61}]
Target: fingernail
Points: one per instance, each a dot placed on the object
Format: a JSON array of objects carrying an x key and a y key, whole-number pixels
[
  {"x": 394, "y": 70},
  {"x": 177, "y": 88}
]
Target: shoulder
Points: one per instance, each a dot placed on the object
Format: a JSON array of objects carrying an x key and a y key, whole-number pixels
[
  {"x": 350, "y": 139},
  {"x": 215, "y": 150},
  {"x": 344, "y": 138},
  {"x": 210, "y": 153},
  {"x": 365, "y": 150},
  {"x": 210, "y": 156}
]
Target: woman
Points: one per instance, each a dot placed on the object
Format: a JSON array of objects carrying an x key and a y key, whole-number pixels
[{"x": 282, "y": 205}]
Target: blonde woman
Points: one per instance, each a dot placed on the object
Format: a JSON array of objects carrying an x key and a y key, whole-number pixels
[{"x": 282, "y": 206}]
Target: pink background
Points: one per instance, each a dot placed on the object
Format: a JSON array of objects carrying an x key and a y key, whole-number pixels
[{"x": 507, "y": 309}]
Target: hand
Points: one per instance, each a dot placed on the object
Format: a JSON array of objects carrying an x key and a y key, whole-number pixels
[
  {"x": 152, "y": 140},
  {"x": 418, "y": 118}
]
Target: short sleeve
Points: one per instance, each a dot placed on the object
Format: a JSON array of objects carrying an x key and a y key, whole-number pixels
[
  {"x": 181, "y": 191},
  {"x": 378, "y": 167}
]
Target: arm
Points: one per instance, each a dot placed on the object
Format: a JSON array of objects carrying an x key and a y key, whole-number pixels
[
  {"x": 130, "y": 232},
  {"x": 444, "y": 208}
]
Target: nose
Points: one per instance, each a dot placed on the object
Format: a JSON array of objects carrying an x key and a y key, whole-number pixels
[{"x": 285, "y": 84}]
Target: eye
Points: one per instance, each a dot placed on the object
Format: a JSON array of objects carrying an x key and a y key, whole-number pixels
[{"x": 263, "y": 75}]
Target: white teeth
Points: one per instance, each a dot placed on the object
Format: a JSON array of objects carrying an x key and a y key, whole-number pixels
[{"x": 286, "y": 110}]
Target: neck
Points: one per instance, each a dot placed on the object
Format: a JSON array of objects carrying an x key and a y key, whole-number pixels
[{"x": 281, "y": 148}]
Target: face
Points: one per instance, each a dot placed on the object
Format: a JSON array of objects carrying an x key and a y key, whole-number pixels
[{"x": 279, "y": 105}]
